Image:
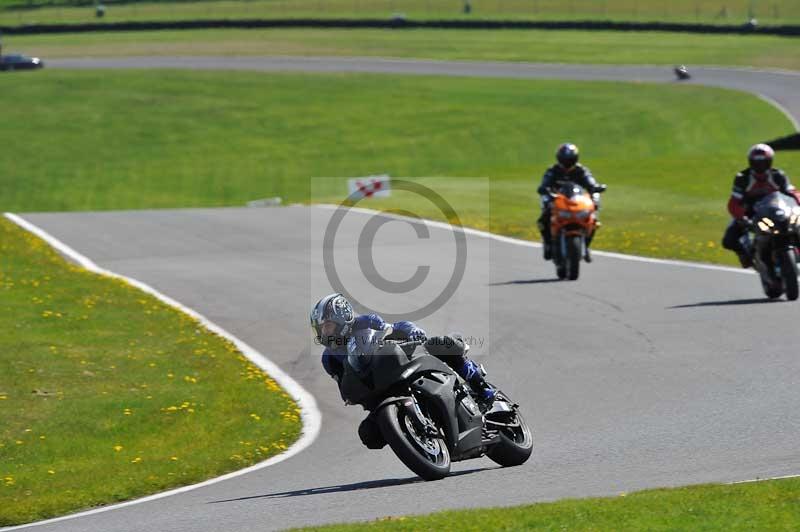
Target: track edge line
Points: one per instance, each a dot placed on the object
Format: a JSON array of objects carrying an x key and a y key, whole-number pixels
[{"x": 310, "y": 413}]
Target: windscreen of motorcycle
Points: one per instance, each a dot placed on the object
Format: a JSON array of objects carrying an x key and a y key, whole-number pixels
[
  {"x": 774, "y": 204},
  {"x": 361, "y": 347}
]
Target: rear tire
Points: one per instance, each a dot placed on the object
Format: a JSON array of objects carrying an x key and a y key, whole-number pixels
[
  {"x": 394, "y": 428},
  {"x": 574, "y": 255},
  {"x": 515, "y": 447},
  {"x": 789, "y": 274}
]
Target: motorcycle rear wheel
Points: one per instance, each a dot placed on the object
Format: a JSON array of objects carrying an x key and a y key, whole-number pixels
[
  {"x": 789, "y": 274},
  {"x": 515, "y": 447},
  {"x": 427, "y": 457}
]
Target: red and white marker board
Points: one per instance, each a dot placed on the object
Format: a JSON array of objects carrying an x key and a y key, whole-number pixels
[{"x": 375, "y": 186}]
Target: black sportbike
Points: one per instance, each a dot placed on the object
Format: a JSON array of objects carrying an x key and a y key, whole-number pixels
[
  {"x": 427, "y": 414},
  {"x": 776, "y": 226}
]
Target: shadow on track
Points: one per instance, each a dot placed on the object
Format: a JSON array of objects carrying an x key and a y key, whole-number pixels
[
  {"x": 726, "y": 303},
  {"x": 356, "y": 486},
  {"x": 528, "y": 281}
]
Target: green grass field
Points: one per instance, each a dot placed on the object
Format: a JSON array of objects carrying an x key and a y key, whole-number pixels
[
  {"x": 773, "y": 505},
  {"x": 536, "y": 46},
  {"x": 117, "y": 399},
  {"x": 708, "y": 11},
  {"x": 107, "y": 394},
  {"x": 129, "y": 140}
]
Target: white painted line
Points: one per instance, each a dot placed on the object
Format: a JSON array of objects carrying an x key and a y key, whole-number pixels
[
  {"x": 310, "y": 414},
  {"x": 763, "y": 479},
  {"x": 528, "y": 243},
  {"x": 780, "y": 108}
]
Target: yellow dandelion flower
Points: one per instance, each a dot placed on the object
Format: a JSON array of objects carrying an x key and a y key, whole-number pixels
[
  {"x": 118, "y": 448},
  {"x": 173, "y": 458},
  {"x": 136, "y": 460},
  {"x": 50, "y": 471}
]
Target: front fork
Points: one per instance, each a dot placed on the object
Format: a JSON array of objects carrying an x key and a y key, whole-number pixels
[{"x": 562, "y": 245}]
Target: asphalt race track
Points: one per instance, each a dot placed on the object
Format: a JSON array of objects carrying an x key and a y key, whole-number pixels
[
  {"x": 641, "y": 374},
  {"x": 782, "y": 87}
]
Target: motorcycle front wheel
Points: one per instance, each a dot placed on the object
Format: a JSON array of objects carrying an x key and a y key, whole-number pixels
[
  {"x": 574, "y": 255},
  {"x": 425, "y": 455},
  {"x": 789, "y": 274}
]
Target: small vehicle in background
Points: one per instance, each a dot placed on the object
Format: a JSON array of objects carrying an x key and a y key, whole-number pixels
[{"x": 20, "y": 62}]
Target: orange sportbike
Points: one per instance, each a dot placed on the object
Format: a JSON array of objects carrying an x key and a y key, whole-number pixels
[{"x": 573, "y": 221}]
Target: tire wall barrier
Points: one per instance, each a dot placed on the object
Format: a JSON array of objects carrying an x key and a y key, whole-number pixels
[{"x": 400, "y": 23}]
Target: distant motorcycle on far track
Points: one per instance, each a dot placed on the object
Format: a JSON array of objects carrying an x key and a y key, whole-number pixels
[{"x": 682, "y": 73}]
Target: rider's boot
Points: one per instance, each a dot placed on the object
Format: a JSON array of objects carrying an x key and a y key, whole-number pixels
[
  {"x": 547, "y": 240},
  {"x": 476, "y": 377},
  {"x": 587, "y": 255},
  {"x": 745, "y": 259}
]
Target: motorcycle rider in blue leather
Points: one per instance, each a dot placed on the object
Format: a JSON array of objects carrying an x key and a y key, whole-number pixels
[{"x": 334, "y": 321}]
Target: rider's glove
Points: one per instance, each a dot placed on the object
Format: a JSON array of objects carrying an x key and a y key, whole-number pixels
[
  {"x": 546, "y": 200},
  {"x": 745, "y": 222},
  {"x": 417, "y": 335}
]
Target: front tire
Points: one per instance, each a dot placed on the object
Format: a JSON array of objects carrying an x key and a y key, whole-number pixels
[
  {"x": 515, "y": 447},
  {"x": 789, "y": 273},
  {"x": 574, "y": 254},
  {"x": 558, "y": 259},
  {"x": 772, "y": 288},
  {"x": 427, "y": 457}
]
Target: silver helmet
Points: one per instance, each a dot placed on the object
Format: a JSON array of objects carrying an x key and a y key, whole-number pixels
[{"x": 331, "y": 318}]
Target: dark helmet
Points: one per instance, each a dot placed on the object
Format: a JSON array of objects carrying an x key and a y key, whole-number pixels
[
  {"x": 332, "y": 318},
  {"x": 760, "y": 158},
  {"x": 567, "y": 155}
]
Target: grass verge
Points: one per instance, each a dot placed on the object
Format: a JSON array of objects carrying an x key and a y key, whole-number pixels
[
  {"x": 770, "y": 505},
  {"x": 507, "y": 45},
  {"x": 129, "y": 140},
  {"x": 107, "y": 394},
  {"x": 733, "y": 12}
]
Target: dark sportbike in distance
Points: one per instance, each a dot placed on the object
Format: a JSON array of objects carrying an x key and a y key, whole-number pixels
[
  {"x": 776, "y": 225},
  {"x": 20, "y": 62},
  {"x": 427, "y": 414}
]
